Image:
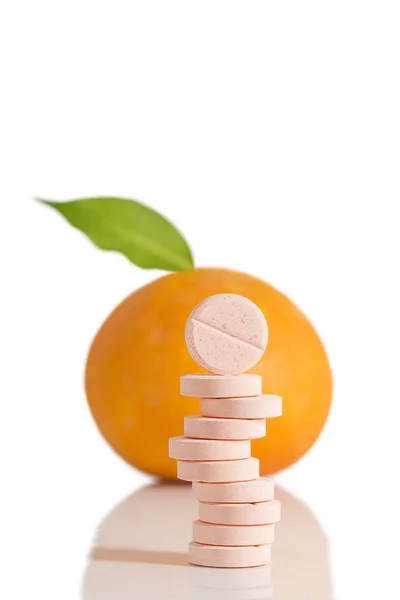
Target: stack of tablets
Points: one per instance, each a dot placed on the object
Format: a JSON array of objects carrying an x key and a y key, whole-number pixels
[{"x": 227, "y": 334}]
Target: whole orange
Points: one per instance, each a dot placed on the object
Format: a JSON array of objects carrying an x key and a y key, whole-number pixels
[{"x": 139, "y": 354}]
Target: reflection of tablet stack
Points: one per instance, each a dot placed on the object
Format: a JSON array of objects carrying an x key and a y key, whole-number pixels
[
  {"x": 240, "y": 584},
  {"x": 227, "y": 335}
]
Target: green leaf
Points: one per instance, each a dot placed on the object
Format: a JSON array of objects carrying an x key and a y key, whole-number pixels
[{"x": 144, "y": 236}]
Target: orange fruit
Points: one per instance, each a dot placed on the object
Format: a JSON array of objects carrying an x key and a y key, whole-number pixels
[{"x": 139, "y": 354}]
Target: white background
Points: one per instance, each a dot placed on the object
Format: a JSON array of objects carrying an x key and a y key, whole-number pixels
[{"x": 269, "y": 133}]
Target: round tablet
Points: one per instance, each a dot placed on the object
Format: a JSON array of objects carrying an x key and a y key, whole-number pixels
[
  {"x": 260, "y": 513},
  {"x": 232, "y": 535},
  {"x": 226, "y": 334},
  {"x": 240, "y": 492},
  {"x": 221, "y": 386},
  {"x": 219, "y": 471},
  {"x": 211, "y": 428},
  {"x": 229, "y": 556},
  {"x": 184, "y": 448},
  {"x": 254, "y": 407}
]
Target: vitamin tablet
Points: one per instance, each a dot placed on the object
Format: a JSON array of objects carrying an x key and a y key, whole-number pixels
[
  {"x": 221, "y": 386},
  {"x": 259, "y": 513},
  {"x": 219, "y": 471},
  {"x": 232, "y": 535},
  {"x": 183, "y": 448},
  {"x": 254, "y": 407},
  {"x": 211, "y": 428},
  {"x": 226, "y": 334},
  {"x": 242, "y": 492},
  {"x": 229, "y": 556}
]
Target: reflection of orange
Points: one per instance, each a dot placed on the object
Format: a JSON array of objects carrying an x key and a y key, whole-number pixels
[{"x": 137, "y": 357}]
